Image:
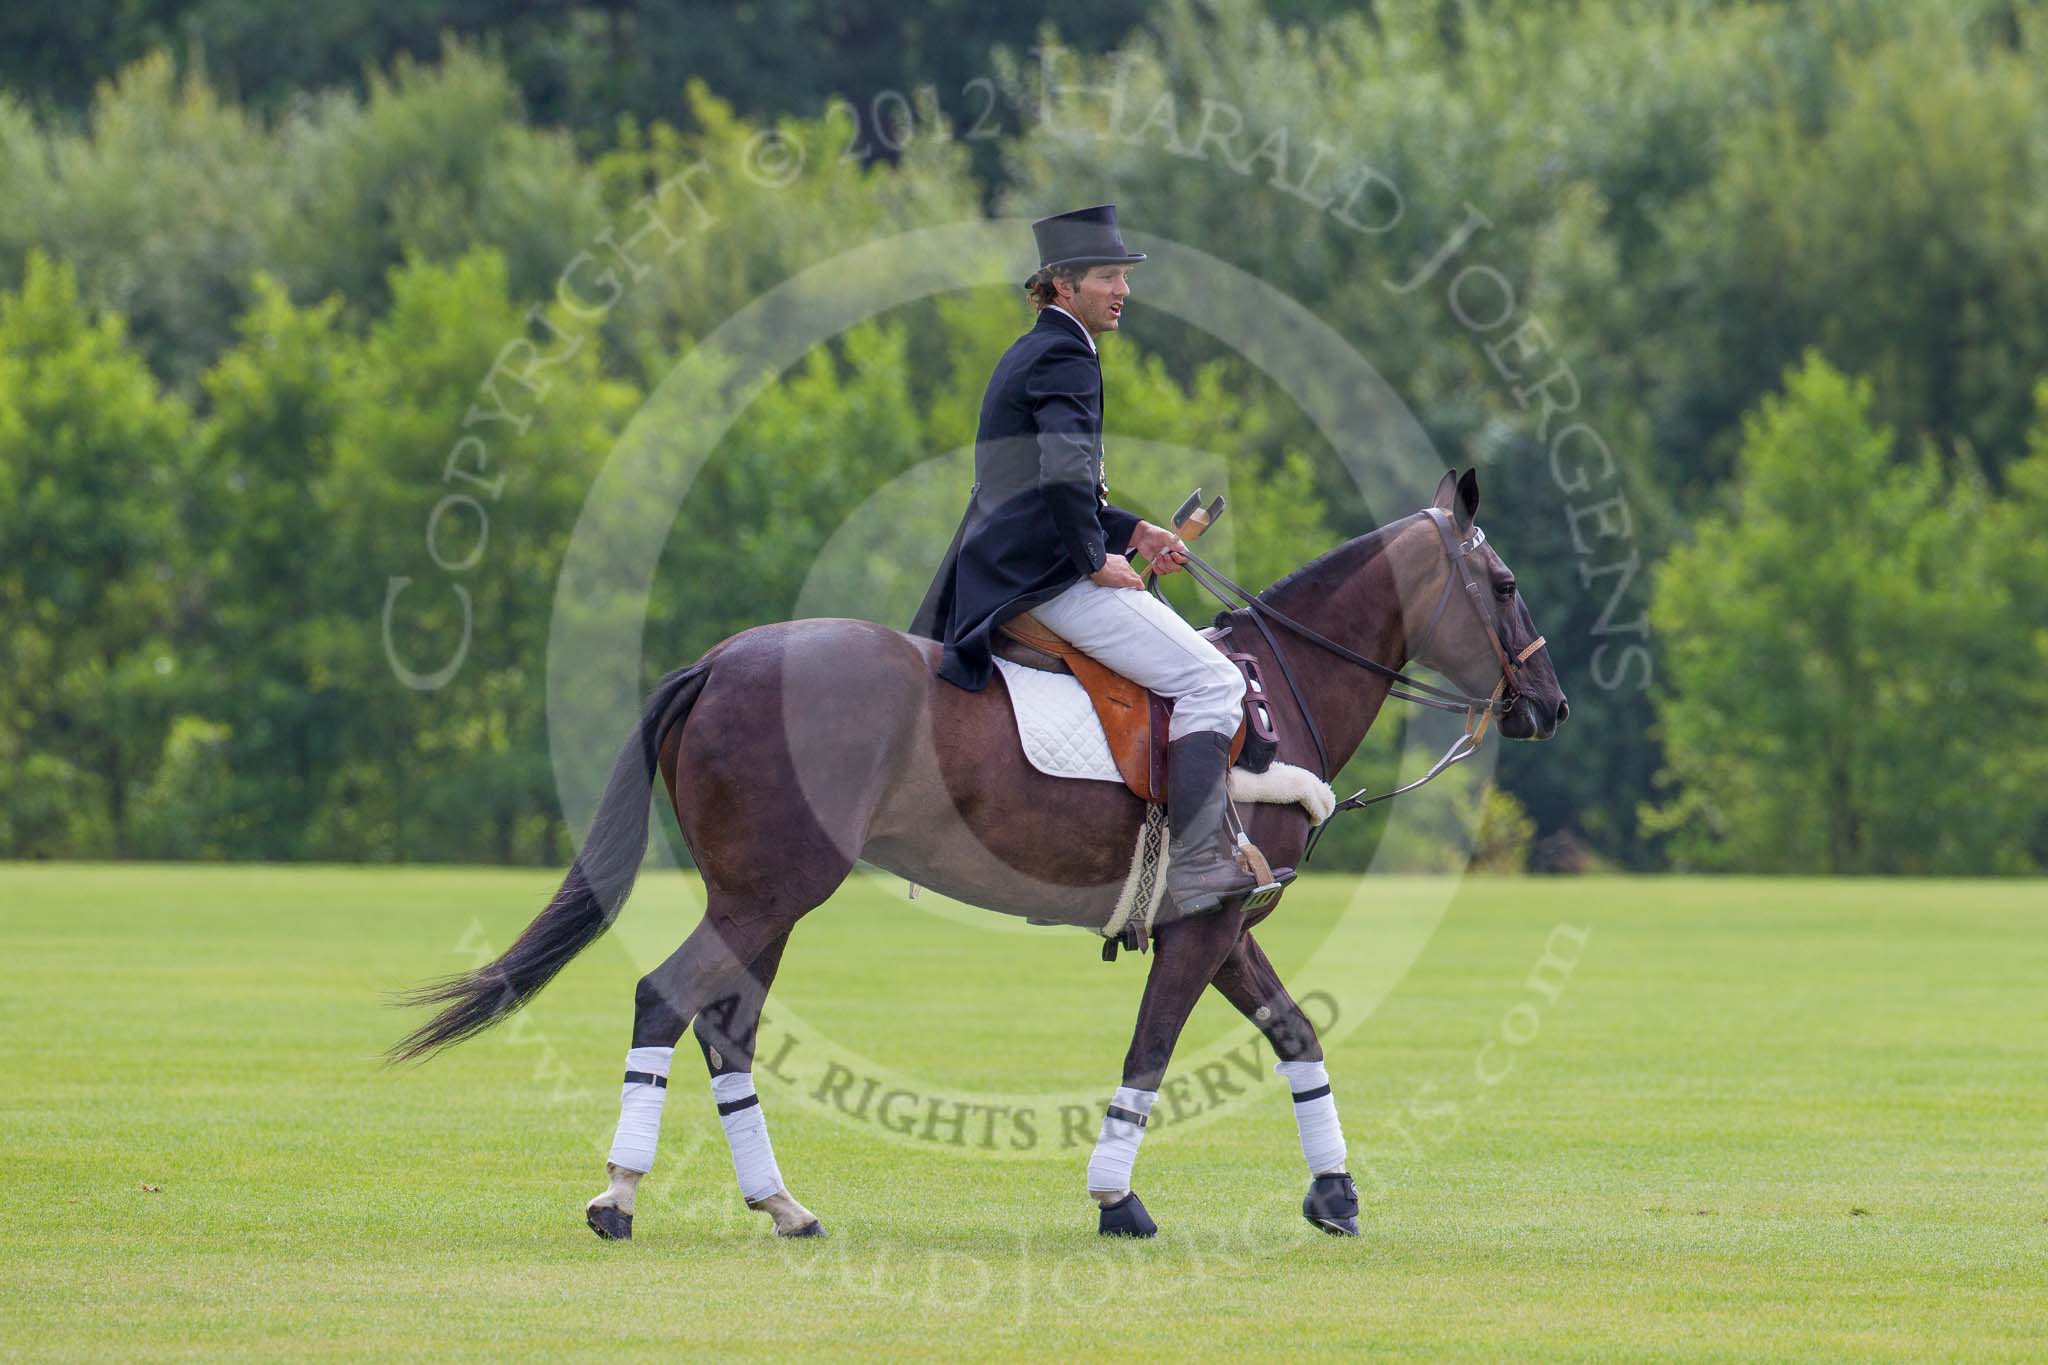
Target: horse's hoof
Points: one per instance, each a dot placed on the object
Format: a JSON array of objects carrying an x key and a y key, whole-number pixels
[
  {"x": 1332, "y": 1205},
  {"x": 608, "y": 1223},
  {"x": 1127, "y": 1218},
  {"x": 814, "y": 1228}
]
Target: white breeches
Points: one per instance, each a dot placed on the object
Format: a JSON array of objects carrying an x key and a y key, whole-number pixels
[{"x": 1142, "y": 638}]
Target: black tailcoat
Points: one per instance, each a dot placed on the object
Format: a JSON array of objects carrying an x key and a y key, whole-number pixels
[{"x": 1038, "y": 519}]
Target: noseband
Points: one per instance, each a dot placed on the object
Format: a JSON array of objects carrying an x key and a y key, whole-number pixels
[{"x": 1479, "y": 711}]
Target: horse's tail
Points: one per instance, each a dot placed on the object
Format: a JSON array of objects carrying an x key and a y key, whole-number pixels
[{"x": 590, "y": 897}]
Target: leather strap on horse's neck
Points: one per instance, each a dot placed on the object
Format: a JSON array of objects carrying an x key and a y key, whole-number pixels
[
  {"x": 1479, "y": 711},
  {"x": 1308, "y": 717}
]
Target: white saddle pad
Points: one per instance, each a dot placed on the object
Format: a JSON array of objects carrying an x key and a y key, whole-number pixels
[{"x": 1063, "y": 737}]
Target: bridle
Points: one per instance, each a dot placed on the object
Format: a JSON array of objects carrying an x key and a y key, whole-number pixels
[
  {"x": 1507, "y": 689},
  {"x": 1480, "y": 712}
]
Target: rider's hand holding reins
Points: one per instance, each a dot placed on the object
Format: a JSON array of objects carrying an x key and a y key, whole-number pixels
[{"x": 1164, "y": 551}]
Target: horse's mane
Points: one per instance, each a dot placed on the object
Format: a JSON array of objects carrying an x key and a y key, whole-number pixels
[{"x": 1347, "y": 557}]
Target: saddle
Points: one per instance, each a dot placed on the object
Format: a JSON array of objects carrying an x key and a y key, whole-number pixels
[{"x": 1134, "y": 718}]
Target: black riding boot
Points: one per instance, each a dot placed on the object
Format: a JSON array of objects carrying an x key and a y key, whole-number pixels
[{"x": 1201, "y": 874}]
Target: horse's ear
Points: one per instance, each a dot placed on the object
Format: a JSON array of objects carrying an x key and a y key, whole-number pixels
[
  {"x": 1467, "y": 509},
  {"x": 1446, "y": 489}
]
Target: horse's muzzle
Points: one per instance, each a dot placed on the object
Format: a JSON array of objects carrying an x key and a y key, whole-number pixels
[{"x": 1530, "y": 718}]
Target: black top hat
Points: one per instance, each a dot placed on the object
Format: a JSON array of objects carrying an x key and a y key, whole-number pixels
[{"x": 1083, "y": 237}]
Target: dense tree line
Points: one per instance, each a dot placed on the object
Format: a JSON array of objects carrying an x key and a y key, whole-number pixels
[
  {"x": 1780, "y": 274},
  {"x": 581, "y": 67}
]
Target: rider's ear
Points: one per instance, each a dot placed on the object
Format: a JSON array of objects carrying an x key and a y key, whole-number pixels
[
  {"x": 1446, "y": 489},
  {"x": 1468, "y": 499}
]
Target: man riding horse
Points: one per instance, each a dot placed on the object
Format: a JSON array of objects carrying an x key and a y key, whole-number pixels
[
  {"x": 1041, "y": 536},
  {"x": 795, "y": 750}
]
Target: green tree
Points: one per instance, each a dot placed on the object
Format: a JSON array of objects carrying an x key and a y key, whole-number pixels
[
  {"x": 1837, "y": 638},
  {"x": 164, "y": 204},
  {"x": 2021, "y": 565},
  {"x": 273, "y": 717},
  {"x": 459, "y": 771},
  {"x": 172, "y": 199},
  {"x": 1680, "y": 197},
  {"x": 92, "y": 457},
  {"x": 578, "y": 65},
  {"x": 732, "y": 237},
  {"x": 1934, "y": 285}
]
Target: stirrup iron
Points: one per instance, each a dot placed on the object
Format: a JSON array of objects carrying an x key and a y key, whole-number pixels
[{"x": 1252, "y": 860}]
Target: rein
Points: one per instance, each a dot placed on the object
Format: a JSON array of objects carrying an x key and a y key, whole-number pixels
[{"x": 1479, "y": 711}]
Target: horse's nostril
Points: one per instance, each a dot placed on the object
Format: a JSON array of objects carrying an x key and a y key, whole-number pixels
[{"x": 1564, "y": 708}]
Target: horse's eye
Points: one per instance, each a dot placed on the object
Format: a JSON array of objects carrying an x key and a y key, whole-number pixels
[{"x": 1506, "y": 589}]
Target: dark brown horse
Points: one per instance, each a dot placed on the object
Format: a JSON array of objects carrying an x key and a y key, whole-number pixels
[{"x": 791, "y": 751}]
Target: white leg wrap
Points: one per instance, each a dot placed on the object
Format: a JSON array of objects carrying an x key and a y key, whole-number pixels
[
  {"x": 640, "y": 1109},
  {"x": 746, "y": 1132},
  {"x": 1116, "y": 1148},
  {"x": 1315, "y": 1114}
]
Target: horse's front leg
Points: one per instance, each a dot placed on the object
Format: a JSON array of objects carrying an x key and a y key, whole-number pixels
[
  {"x": 1185, "y": 957},
  {"x": 1248, "y": 981}
]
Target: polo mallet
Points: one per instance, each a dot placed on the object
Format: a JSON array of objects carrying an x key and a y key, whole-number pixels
[{"x": 1189, "y": 523}]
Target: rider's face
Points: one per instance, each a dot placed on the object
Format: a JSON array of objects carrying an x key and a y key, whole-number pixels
[{"x": 1098, "y": 300}]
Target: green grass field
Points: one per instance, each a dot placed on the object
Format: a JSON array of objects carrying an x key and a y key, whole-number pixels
[{"x": 1756, "y": 1119}]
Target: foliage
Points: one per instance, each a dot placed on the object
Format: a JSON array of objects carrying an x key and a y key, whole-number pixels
[
  {"x": 1501, "y": 832},
  {"x": 252, "y": 282},
  {"x": 577, "y": 65},
  {"x": 1836, "y": 632},
  {"x": 1681, "y": 198},
  {"x": 171, "y": 200},
  {"x": 91, "y": 457}
]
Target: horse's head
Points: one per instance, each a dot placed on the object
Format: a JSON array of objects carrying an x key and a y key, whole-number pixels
[{"x": 1476, "y": 642}]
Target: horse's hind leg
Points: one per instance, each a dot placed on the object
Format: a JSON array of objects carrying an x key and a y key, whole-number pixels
[
  {"x": 1247, "y": 980},
  {"x": 715, "y": 969},
  {"x": 728, "y": 1030},
  {"x": 775, "y": 778}
]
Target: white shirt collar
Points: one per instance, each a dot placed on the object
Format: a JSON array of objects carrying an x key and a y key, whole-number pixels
[{"x": 1076, "y": 321}]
